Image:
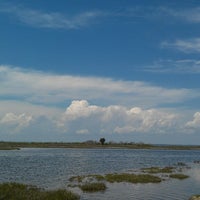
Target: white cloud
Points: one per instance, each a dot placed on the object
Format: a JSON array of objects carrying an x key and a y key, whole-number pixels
[
  {"x": 15, "y": 122},
  {"x": 195, "y": 123},
  {"x": 33, "y": 106},
  {"x": 11, "y": 118},
  {"x": 43, "y": 88},
  {"x": 79, "y": 109},
  {"x": 53, "y": 20},
  {"x": 116, "y": 119},
  {"x": 175, "y": 66},
  {"x": 88, "y": 121},
  {"x": 82, "y": 131},
  {"x": 18, "y": 107},
  {"x": 191, "y": 15},
  {"x": 146, "y": 121},
  {"x": 186, "y": 46},
  {"x": 57, "y": 20}
]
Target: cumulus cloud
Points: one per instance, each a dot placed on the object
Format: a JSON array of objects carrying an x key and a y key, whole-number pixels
[
  {"x": 79, "y": 109},
  {"x": 145, "y": 121},
  {"x": 195, "y": 123},
  {"x": 89, "y": 121},
  {"x": 116, "y": 119},
  {"x": 15, "y": 122},
  {"x": 33, "y": 106}
]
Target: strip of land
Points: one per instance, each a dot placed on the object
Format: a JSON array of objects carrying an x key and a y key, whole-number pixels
[{"x": 19, "y": 145}]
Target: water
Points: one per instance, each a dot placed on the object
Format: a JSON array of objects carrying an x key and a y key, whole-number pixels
[{"x": 51, "y": 168}]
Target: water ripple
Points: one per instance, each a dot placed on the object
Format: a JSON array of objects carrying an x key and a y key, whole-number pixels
[{"x": 51, "y": 168}]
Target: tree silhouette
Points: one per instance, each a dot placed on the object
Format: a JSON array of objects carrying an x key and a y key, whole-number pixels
[{"x": 102, "y": 140}]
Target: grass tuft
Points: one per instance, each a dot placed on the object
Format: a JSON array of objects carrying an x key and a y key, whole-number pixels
[
  {"x": 179, "y": 176},
  {"x": 93, "y": 187},
  {"x": 195, "y": 197},
  {"x": 16, "y": 191},
  {"x": 132, "y": 178},
  {"x": 155, "y": 170}
]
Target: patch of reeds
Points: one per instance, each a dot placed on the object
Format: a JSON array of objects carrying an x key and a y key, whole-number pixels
[
  {"x": 16, "y": 191},
  {"x": 155, "y": 170},
  {"x": 179, "y": 176},
  {"x": 93, "y": 187},
  {"x": 195, "y": 197},
  {"x": 132, "y": 178}
]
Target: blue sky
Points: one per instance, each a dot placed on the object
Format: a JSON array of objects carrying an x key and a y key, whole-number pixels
[{"x": 80, "y": 70}]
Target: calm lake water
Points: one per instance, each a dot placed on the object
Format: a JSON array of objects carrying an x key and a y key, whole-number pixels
[{"x": 51, "y": 168}]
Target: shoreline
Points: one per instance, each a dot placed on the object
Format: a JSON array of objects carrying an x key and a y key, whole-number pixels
[{"x": 19, "y": 145}]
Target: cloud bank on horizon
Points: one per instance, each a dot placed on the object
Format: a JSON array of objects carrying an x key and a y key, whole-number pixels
[
  {"x": 34, "y": 97},
  {"x": 120, "y": 71}
]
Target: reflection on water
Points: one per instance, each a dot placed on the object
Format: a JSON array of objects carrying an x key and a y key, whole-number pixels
[{"x": 51, "y": 168}]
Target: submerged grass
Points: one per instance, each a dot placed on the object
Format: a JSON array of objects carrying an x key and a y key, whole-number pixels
[
  {"x": 132, "y": 178},
  {"x": 93, "y": 187},
  {"x": 155, "y": 170},
  {"x": 16, "y": 191},
  {"x": 179, "y": 176},
  {"x": 195, "y": 197},
  {"x": 123, "y": 177}
]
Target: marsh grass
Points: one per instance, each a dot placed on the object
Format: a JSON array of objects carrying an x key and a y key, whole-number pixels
[
  {"x": 132, "y": 178},
  {"x": 93, "y": 144},
  {"x": 195, "y": 197},
  {"x": 156, "y": 170},
  {"x": 179, "y": 176},
  {"x": 93, "y": 187},
  {"x": 16, "y": 191}
]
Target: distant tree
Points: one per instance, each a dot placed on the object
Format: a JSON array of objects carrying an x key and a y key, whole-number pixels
[{"x": 102, "y": 140}]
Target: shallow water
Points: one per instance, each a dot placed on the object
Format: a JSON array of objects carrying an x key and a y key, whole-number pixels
[{"x": 51, "y": 168}]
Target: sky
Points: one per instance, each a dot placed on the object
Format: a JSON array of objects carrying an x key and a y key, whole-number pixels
[{"x": 79, "y": 70}]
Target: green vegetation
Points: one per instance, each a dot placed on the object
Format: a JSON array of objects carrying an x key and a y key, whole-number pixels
[
  {"x": 8, "y": 146},
  {"x": 124, "y": 177},
  {"x": 16, "y": 191},
  {"x": 195, "y": 197},
  {"x": 93, "y": 187},
  {"x": 102, "y": 141},
  {"x": 179, "y": 176},
  {"x": 132, "y": 178},
  {"x": 91, "y": 144},
  {"x": 155, "y": 170},
  {"x": 87, "y": 144},
  {"x": 96, "y": 182}
]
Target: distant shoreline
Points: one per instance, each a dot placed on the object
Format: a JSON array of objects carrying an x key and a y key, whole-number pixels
[{"x": 95, "y": 145}]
